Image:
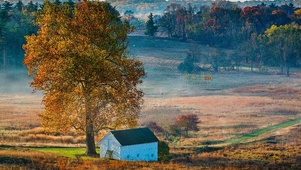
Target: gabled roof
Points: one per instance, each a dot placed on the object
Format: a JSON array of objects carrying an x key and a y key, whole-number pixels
[{"x": 134, "y": 136}]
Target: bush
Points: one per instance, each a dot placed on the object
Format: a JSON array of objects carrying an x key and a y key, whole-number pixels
[
  {"x": 189, "y": 68},
  {"x": 163, "y": 154},
  {"x": 188, "y": 65}
]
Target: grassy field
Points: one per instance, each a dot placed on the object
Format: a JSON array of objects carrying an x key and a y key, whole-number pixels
[
  {"x": 248, "y": 120},
  {"x": 66, "y": 152},
  {"x": 262, "y": 131}
]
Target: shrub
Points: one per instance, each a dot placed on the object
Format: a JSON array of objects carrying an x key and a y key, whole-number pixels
[
  {"x": 163, "y": 153},
  {"x": 188, "y": 65}
]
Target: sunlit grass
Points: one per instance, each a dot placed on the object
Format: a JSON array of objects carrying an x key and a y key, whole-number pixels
[{"x": 67, "y": 152}]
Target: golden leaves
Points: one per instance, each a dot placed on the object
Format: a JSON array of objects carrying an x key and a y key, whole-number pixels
[
  {"x": 78, "y": 59},
  {"x": 298, "y": 12}
]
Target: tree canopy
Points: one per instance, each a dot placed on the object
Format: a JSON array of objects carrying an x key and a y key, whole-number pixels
[
  {"x": 79, "y": 59},
  {"x": 15, "y": 22},
  {"x": 185, "y": 123},
  {"x": 150, "y": 27},
  {"x": 285, "y": 44}
]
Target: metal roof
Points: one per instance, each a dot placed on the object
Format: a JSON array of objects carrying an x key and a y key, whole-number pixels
[{"x": 135, "y": 136}]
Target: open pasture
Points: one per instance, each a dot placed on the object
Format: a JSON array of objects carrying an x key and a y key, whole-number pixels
[{"x": 230, "y": 105}]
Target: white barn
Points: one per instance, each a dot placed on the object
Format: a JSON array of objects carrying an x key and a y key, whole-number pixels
[{"x": 132, "y": 145}]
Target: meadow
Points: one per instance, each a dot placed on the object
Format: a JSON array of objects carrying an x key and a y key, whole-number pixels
[{"x": 249, "y": 120}]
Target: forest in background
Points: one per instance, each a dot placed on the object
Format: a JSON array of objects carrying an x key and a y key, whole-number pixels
[
  {"x": 16, "y": 21},
  {"x": 251, "y": 33}
]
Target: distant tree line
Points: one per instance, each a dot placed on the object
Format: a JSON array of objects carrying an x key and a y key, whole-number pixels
[
  {"x": 247, "y": 31},
  {"x": 253, "y": 32},
  {"x": 16, "y": 21}
]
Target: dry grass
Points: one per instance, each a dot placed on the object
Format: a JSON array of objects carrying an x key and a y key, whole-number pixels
[
  {"x": 19, "y": 123},
  {"x": 279, "y": 151},
  {"x": 19, "y": 111},
  {"x": 34, "y": 131},
  {"x": 229, "y": 106},
  {"x": 265, "y": 156},
  {"x": 30, "y": 159},
  {"x": 222, "y": 116},
  {"x": 285, "y": 92}
]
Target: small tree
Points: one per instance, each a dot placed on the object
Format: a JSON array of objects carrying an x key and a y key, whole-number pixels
[
  {"x": 251, "y": 50},
  {"x": 187, "y": 122},
  {"x": 150, "y": 27},
  {"x": 189, "y": 66}
]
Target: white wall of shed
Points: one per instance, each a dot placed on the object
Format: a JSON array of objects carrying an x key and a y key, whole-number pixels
[
  {"x": 114, "y": 146},
  {"x": 140, "y": 152}
]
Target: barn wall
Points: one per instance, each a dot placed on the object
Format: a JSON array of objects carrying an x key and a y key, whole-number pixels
[
  {"x": 109, "y": 142},
  {"x": 140, "y": 152}
]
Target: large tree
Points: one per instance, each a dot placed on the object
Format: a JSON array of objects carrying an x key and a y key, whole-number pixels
[
  {"x": 168, "y": 21},
  {"x": 79, "y": 59},
  {"x": 250, "y": 49},
  {"x": 285, "y": 43}
]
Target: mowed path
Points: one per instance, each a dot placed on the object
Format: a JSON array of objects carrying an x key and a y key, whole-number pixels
[{"x": 259, "y": 132}]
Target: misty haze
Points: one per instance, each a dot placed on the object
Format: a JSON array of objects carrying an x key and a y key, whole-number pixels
[{"x": 14, "y": 81}]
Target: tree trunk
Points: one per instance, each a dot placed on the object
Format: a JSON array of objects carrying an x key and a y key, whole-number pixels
[
  {"x": 184, "y": 33},
  {"x": 216, "y": 66},
  {"x": 4, "y": 59},
  {"x": 260, "y": 61},
  {"x": 282, "y": 62},
  {"x": 281, "y": 69},
  {"x": 287, "y": 70},
  {"x": 90, "y": 143},
  {"x": 186, "y": 132},
  {"x": 215, "y": 69}
]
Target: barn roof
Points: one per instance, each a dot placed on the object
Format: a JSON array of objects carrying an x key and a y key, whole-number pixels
[{"x": 134, "y": 136}]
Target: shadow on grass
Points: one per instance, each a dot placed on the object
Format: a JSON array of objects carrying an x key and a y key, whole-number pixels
[
  {"x": 212, "y": 142},
  {"x": 13, "y": 160},
  {"x": 207, "y": 149}
]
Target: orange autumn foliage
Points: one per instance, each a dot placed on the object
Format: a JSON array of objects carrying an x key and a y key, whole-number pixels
[{"x": 79, "y": 59}]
